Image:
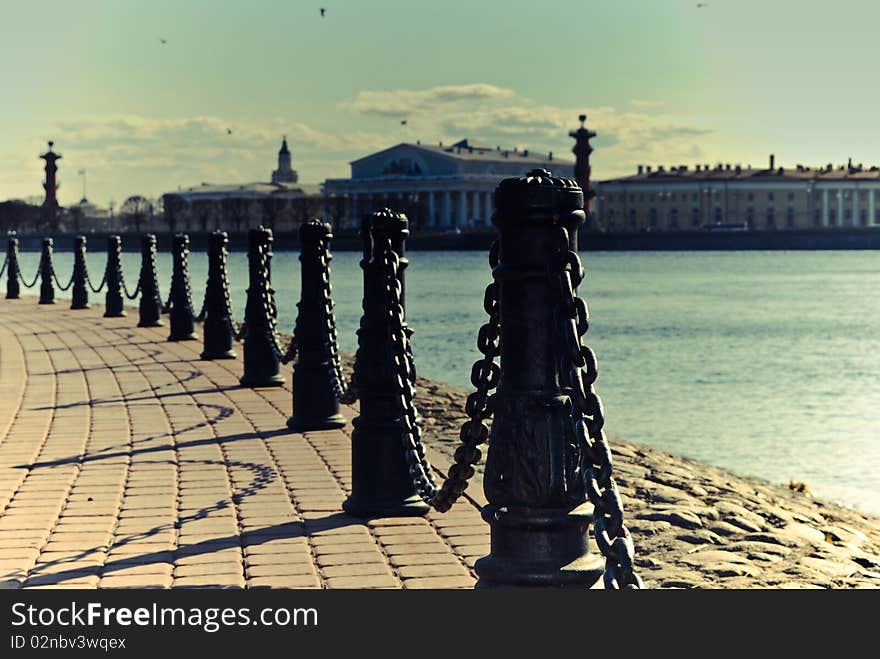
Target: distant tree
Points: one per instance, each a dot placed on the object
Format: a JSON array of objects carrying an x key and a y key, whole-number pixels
[
  {"x": 134, "y": 211},
  {"x": 18, "y": 216},
  {"x": 173, "y": 206},
  {"x": 234, "y": 212}
]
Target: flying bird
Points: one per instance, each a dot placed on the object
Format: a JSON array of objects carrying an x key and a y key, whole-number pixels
[
  {"x": 229, "y": 131},
  {"x": 322, "y": 12},
  {"x": 162, "y": 40},
  {"x": 700, "y": 5},
  {"x": 403, "y": 122}
]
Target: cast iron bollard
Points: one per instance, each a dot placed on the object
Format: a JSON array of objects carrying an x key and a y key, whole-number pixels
[
  {"x": 47, "y": 286},
  {"x": 262, "y": 358},
  {"x": 79, "y": 296},
  {"x": 316, "y": 374},
  {"x": 150, "y": 307},
  {"x": 381, "y": 481},
  {"x": 542, "y": 447},
  {"x": 180, "y": 309},
  {"x": 218, "y": 328},
  {"x": 13, "y": 273},
  {"x": 113, "y": 301}
]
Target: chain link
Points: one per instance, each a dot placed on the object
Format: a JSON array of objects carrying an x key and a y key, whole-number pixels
[
  {"x": 578, "y": 372},
  {"x": 484, "y": 376},
  {"x": 331, "y": 348}
]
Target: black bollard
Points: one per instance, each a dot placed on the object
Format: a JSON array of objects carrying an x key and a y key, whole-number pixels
[
  {"x": 13, "y": 273},
  {"x": 315, "y": 376},
  {"x": 535, "y": 478},
  {"x": 47, "y": 286},
  {"x": 381, "y": 481},
  {"x": 150, "y": 307},
  {"x": 79, "y": 296},
  {"x": 218, "y": 328},
  {"x": 262, "y": 361},
  {"x": 180, "y": 309},
  {"x": 113, "y": 300}
]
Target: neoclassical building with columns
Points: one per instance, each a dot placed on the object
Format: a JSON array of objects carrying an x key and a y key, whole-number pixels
[
  {"x": 439, "y": 187},
  {"x": 682, "y": 197}
]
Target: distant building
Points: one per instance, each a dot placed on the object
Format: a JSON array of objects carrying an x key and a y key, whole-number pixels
[
  {"x": 438, "y": 187},
  {"x": 680, "y": 198},
  {"x": 284, "y": 173},
  {"x": 281, "y": 204}
]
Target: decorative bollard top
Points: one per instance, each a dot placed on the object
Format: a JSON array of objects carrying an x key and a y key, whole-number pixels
[
  {"x": 516, "y": 199},
  {"x": 387, "y": 220},
  {"x": 315, "y": 230}
]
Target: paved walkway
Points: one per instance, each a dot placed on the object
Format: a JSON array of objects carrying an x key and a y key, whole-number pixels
[{"x": 125, "y": 461}]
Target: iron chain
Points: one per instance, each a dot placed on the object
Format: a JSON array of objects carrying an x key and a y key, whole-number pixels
[
  {"x": 484, "y": 376},
  {"x": 578, "y": 374}
]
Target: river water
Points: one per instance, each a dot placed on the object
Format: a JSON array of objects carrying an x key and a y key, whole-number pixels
[{"x": 766, "y": 363}]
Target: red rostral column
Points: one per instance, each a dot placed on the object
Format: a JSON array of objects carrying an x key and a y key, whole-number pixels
[
  {"x": 51, "y": 186},
  {"x": 582, "y": 151}
]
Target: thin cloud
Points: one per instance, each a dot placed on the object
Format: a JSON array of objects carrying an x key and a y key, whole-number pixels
[{"x": 402, "y": 102}]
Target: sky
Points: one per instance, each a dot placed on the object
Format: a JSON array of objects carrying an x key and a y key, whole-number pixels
[{"x": 662, "y": 82}]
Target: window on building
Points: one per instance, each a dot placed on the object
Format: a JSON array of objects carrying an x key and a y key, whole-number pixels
[
  {"x": 832, "y": 218},
  {"x": 632, "y": 198},
  {"x": 694, "y": 197},
  {"x": 863, "y": 217},
  {"x": 769, "y": 196},
  {"x": 789, "y": 217},
  {"x": 751, "y": 196},
  {"x": 673, "y": 218},
  {"x": 672, "y": 196},
  {"x": 791, "y": 196},
  {"x": 632, "y": 218},
  {"x": 847, "y": 215},
  {"x": 771, "y": 217},
  {"x": 877, "y": 216},
  {"x": 750, "y": 215},
  {"x": 817, "y": 218},
  {"x": 652, "y": 218},
  {"x": 719, "y": 216}
]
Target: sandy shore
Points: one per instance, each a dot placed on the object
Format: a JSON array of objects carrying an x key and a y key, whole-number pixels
[{"x": 696, "y": 525}]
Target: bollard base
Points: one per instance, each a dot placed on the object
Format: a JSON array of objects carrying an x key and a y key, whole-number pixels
[
  {"x": 184, "y": 337},
  {"x": 47, "y": 301},
  {"x": 80, "y": 306},
  {"x": 371, "y": 508},
  {"x": 539, "y": 548},
  {"x": 152, "y": 323},
  {"x": 114, "y": 314},
  {"x": 254, "y": 382},
  {"x": 210, "y": 355},
  {"x": 299, "y": 424}
]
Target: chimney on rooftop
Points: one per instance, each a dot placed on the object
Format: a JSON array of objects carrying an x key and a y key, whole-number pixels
[
  {"x": 699, "y": 168},
  {"x": 682, "y": 168},
  {"x": 550, "y": 156},
  {"x": 772, "y": 161},
  {"x": 648, "y": 169},
  {"x": 525, "y": 153},
  {"x": 728, "y": 167},
  {"x": 641, "y": 169}
]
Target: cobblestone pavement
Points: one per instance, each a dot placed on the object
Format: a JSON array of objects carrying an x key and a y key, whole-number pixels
[{"x": 125, "y": 461}]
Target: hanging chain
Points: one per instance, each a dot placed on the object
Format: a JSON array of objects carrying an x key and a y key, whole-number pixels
[
  {"x": 331, "y": 348},
  {"x": 484, "y": 377},
  {"x": 36, "y": 277},
  {"x": 578, "y": 372},
  {"x": 137, "y": 290},
  {"x": 270, "y": 313},
  {"x": 89, "y": 280}
]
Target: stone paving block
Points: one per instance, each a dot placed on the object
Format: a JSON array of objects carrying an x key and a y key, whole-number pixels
[
  {"x": 293, "y": 582},
  {"x": 439, "y": 582},
  {"x": 356, "y": 570},
  {"x": 443, "y": 570},
  {"x": 365, "y": 581},
  {"x": 351, "y": 559}
]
